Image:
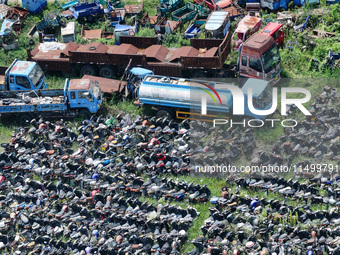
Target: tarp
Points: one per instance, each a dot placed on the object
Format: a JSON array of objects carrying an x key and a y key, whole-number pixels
[{"x": 6, "y": 27}]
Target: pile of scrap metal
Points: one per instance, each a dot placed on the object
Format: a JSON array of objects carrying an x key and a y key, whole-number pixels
[
  {"x": 46, "y": 27},
  {"x": 150, "y": 21},
  {"x": 11, "y": 25},
  {"x": 8, "y": 38},
  {"x": 95, "y": 34}
]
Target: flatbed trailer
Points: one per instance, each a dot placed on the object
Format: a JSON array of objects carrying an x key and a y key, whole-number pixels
[{"x": 110, "y": 60}]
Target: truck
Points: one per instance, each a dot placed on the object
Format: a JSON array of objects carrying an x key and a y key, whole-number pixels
[
  {"x": 229, "y": 6},
  {"x": 87, "y": 10},
  {"x": 204, "y": 58},
  {"x": 275, "y": 30},
  {"x": 245, "y": 28},
  {"x": 168, "y": 5},
  {"x": 260, "y": 58},
  {"x": 22, "y": 75},
  {"x": 180, "y": 98},
  {"x": 217, "y": 25},
  {"x": 78, "y": 98},
  {"x": 34, "y": 6}
]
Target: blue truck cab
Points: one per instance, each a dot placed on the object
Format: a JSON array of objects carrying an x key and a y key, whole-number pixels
[
  {"x": 84, "y": 94},
  {"x": 136, "y": 76},
  {"x": 23, "y": 75}
]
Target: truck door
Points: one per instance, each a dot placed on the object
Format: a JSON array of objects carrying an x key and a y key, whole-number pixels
[
  {"x": 244, "y": 65},
  {"x": 21, "y": 83},
  {"x": 86, "y": 100}
]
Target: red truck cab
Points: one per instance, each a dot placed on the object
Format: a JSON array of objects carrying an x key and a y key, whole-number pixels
[
  {"x": 275, "y": 30},
  {"x": 260, "y": 59},
  {"x": 246, "y": 27}
]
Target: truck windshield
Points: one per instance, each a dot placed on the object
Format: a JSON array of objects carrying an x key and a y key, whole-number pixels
[
  {"x": 270, "y": 58},
  {"x": 95, "y": 90},
  {"x": 36, "y": 75},
  {"x": 266, "y": 97}
]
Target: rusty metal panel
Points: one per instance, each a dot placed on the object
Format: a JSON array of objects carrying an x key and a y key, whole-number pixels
[
  {"x": 123, "y": 59},
  {"x": 211, "y": 52},
  {"x": 139, "y": 42},
  {"x": 92, "y": 34},
  {"x": 248, "y": 22},
  {"x": 205, "y": 43},
  {"x": 70, "y": 46},
  {"x": 86, "y": 57},
  {"x": 158, "y": 52},
  {"x": 50, "y": 65},
  {"x": 94, "y": 47},
  {"x": 185, "y": 51},
  {"x": 107, "y": 85},
  {"x": 168, "y": 69},
  {"x": 78, "y": 84},
  {"x": 200, "y": 62},
  {"x": 123, "y": 49},
  {"x": 258, "y": 42}
]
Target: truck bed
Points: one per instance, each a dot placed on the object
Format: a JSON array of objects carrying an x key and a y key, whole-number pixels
[{"x": 42, "y": 104}]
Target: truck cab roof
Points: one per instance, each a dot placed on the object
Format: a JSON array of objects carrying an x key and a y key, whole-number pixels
[
  {"x": 258, "y": 42},
  {"x": 80, "y": 84},
  {"x": 257, "y": 85},
  {"x": 271, "y": 28},
  {"x": 139, "y": 71},
  {"x": 22, "y": 68}
]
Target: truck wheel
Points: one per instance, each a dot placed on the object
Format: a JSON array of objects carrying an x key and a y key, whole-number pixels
[
  {"x": 25, "y": 119},
  {"x": 199, "y": 74},
  {"x": 164, "y": 113},
  {"x": 88, "y": 70},
  {"x": 84, "y": 114},
  {"x": 89, "y": 18},
  {"x": 107, "y": 72}
]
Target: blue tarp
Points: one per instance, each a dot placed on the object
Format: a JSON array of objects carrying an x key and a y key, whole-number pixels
[
  {"x": 138, "y": 71},
  {"x": 6, "y": 27}
]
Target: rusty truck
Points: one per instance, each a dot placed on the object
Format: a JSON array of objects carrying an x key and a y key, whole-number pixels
[{"x": 204, "y": 58}]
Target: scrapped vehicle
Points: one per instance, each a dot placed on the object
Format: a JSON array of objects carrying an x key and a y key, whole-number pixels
[
  {"x": 275, "y": 30},
  {"x": 78, "y": 98},
  {"x": 8, "y": 39},
  {"x": 180, "y": 98},
  {"x": 245, "y": 28},
  {"x": 217, "y": 25},
  {"x": 188, "y": 12},
  {"x": 50, "y": 22},
  {"x": 22, "y": 75},
  {"x": 229, "y": 6},
  {"x": 168, "y": 5},
  {"x": 34, "y": 6},
  {"x": 260, "y": 58},
  {"x": 124, "y": 30},
  {"x": 204, "y": 58}
]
